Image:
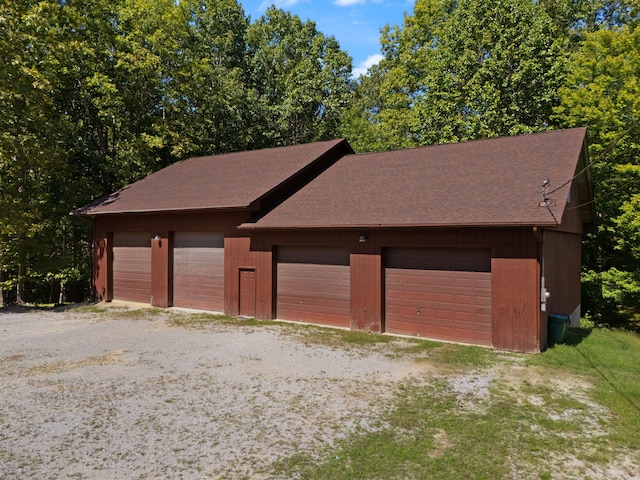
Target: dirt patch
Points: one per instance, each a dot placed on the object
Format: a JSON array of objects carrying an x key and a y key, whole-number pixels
[{"x": 442, "y": 442}]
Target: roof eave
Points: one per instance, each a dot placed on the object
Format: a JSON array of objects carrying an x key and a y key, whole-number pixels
[
  {"x": 585, "y": 191},
  {"x": 160, "y": 211},
  {"x": 366, "y": 226}
]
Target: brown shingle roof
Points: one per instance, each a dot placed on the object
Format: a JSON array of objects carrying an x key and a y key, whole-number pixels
[
  {"x": 483, "y": 182},
  {"x": 232, "y": 180}
]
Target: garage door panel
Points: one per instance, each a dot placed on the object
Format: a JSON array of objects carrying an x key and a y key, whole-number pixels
[
  {"x": 198, "y": 262},
  {"x": 311, "y": 290},
  {"x": 313, "y": 255},
  {"x": 462, "y": 282},
  {"x": 313, "y": 285},
  {"x": 457, "y": 330},
  {"x": 205, "y": 276},
  {"x": 199, "y": 290},
  {"x": 314, "y": 312},
  {"x": 198, "y": 239},
  {"x": 439, "y": 293},
  {"x": 132, "y": 266},
  {"x": 463, "y": 300},
  {"x": 319, "y": 291},
  {"x": 312, "y": 304},
  {"x": 445, "y": 298},
  {"x": 198, "y": 270},
  {"x": 436, "y": 259}
]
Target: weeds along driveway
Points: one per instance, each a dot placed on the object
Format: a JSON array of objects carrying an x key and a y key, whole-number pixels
[{"x": 126, "y": 394}]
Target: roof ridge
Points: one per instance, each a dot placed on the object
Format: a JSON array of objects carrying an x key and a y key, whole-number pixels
[
  {"x": 335, "y": 141},
  {"x": 474, "y": 140}
]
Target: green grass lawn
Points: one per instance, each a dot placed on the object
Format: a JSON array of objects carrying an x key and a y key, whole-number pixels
[{"x": 570, "y": 412}]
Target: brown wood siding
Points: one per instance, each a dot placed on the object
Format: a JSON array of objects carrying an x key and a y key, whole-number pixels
[
  {"x": 162, "y": 261},
  {"x": 132, "y": 266},
  {"x": 198, "y": 270},
  {"x": 515, "y": 291},
  {"x": 572, "y": 218},
  {"x": 102, "y": 275},
  {"x": 517, "y": 323},
  {"x": 161, "y": 224},
  {"x": 515, "y": 275},
  {"x": 562, "y": 252},
  {"x": 240, "y": 255},
  {"x": 442, "y": 293},
  {"x": 313, "y": 285},
  {"x": 161, "y": 271},
  {"x": 516, "y": 304}
]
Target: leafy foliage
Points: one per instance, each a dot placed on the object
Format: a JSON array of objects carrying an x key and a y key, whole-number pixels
[
  {"x": 603, "y": 92},
  {"x": 301, "y": 78},
  {"x": 35, "y": 194},
  {"x": 98, "y": 94},
  {"x": 467, "y": 69}
]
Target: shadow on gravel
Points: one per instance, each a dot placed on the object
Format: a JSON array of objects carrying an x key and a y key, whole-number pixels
[{"x": 39, "y": 308}]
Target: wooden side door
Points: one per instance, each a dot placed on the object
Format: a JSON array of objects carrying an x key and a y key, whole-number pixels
[{"x": 248, "y": 292}]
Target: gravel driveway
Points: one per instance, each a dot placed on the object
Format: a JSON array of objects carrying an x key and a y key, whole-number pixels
[{"x": 102, "y": 395}]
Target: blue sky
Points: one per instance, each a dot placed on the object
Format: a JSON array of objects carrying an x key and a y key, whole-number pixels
[{"x": 356, "y": 24}]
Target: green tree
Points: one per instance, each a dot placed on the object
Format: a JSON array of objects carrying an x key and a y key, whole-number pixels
[
  {"x": 466, "y": 69},
  {"x": 34, "y": 171},
  {"x": 96, "y": 94},
  {"x": 301, "y": 77},
  {"x": 207, "y": 104},
  {"x": 603, "y": 93},
  {"x": 111, "y": 89}
]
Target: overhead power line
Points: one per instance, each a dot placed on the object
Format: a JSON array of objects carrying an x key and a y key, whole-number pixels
[
  {"x": 611, "y": 192},
  {"x": 599, "y": 156}
]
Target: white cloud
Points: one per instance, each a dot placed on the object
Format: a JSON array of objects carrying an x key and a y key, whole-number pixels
[
  {"x": 368, "y": 63},
  {"x": 348, "y": 3}
]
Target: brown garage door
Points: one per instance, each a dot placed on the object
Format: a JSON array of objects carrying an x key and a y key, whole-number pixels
[
  {"x": 132, "y": 266},
  {"x": 313, "y": 285},
  {"x": 442, "y": 293},
  {"x": 198, "y": 270}
]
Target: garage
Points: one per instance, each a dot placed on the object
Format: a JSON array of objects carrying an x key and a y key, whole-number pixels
[
  {"x": 132, "y": 266},
  {"x": 198, "y": 270},
  {"x": 440, "y": 293},
  {"x": 379, "y": 242},
  {"x": 313, "y": 285}
]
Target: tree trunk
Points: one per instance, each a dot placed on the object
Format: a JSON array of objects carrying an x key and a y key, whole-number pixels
[
  {"x": 21, "y": 294},
  {"x": 63, "y": 293},
  {"x": 1, "y": 280}
]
